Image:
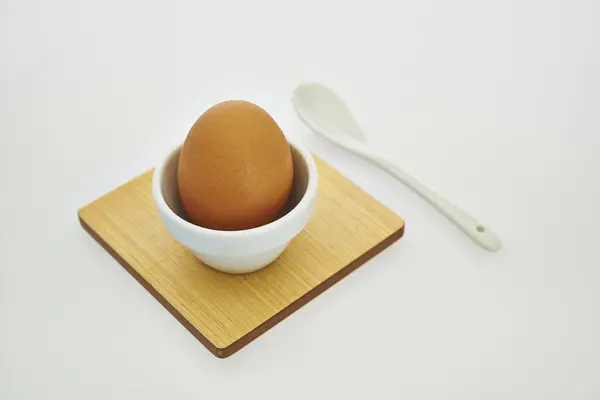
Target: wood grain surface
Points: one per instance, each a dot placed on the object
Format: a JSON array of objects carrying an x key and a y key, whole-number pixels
[{"x": 226, "y": 312}]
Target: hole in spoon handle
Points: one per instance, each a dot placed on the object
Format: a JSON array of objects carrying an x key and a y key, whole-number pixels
[{"x": 486, "y": 238}]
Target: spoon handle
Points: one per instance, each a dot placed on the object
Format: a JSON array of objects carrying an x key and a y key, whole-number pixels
[{"x": 474, "y": 229}]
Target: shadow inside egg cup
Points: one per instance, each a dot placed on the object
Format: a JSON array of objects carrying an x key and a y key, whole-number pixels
[{"x": 241, "y": 251}]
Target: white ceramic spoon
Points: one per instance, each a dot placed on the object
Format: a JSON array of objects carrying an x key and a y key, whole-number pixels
[{"x": 325, "y": 113}]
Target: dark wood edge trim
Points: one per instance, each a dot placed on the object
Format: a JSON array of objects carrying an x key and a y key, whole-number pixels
[{"x": 271, "y": 322}]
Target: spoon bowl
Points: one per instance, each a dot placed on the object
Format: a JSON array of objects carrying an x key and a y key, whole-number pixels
[{"x": 323, "y": 106}]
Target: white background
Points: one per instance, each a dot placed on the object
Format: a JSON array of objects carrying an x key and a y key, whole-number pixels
[{"x": 495, "y": 104}]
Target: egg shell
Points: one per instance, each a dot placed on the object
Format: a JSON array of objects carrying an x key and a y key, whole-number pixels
[{"x": 235, "y": 169}]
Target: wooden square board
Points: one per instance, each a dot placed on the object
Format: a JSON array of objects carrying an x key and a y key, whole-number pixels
[{"x": 226, "y": 312}]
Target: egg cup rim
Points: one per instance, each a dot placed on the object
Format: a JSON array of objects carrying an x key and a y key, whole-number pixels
[{"x": 304, "y": 203}]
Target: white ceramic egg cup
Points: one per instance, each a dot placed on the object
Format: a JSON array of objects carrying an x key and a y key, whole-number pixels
[{"x": 242, "y": 251}]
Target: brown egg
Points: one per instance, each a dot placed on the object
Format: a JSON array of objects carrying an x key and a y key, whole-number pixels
[{"x": 235, "y": 168}]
